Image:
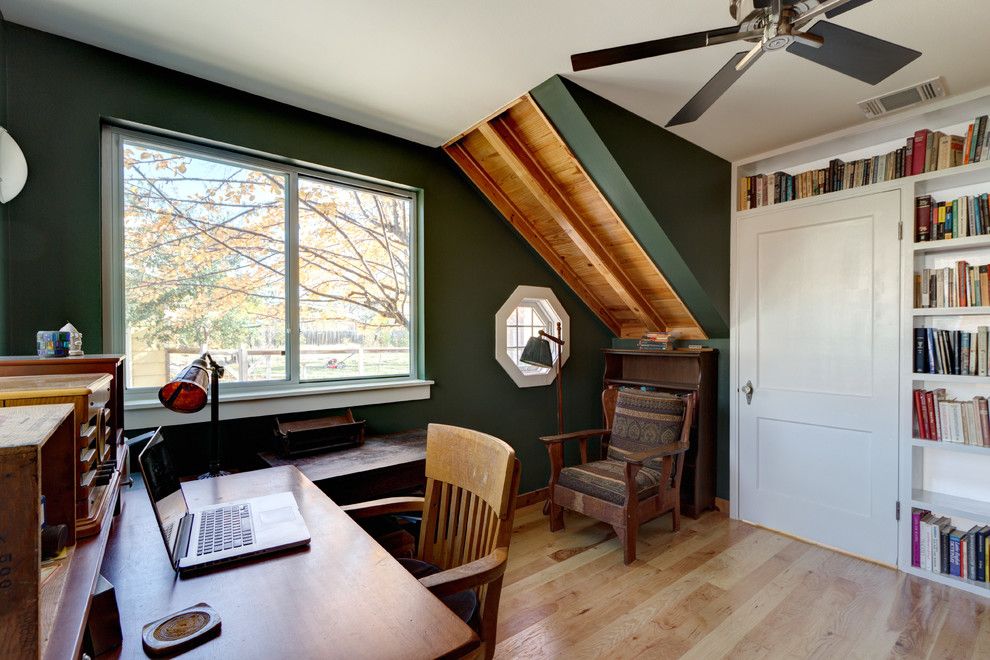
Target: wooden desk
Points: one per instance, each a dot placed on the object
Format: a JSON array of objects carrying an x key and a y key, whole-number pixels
[
  {"x": 343, "y": 597},
  {"x": 384, "y": 465}
]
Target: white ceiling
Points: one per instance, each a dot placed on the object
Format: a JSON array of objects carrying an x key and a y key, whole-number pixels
[{"x": 428, "y": 69}]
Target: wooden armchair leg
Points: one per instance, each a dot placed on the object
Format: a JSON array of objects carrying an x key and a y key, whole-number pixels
[
  {"x": 627, "y": 535},
  {"x": 556, "y": 516},
  {"x": 676, "y": 513}
]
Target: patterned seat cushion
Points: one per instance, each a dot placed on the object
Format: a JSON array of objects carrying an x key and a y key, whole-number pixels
[
  {"x": 644, "y": 421},
  {"x": 606, "y": 480}
]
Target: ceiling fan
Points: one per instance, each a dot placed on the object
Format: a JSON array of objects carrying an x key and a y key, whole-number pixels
[{"x": 771, "y": 25}]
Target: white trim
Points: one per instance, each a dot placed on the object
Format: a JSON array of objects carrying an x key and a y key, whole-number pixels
[
  {"x": 149, "y": 412},
  {"x": 522, "y": 294}
]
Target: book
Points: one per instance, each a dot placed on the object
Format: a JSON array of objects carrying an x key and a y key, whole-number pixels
[{"x": 916, "y": 516}]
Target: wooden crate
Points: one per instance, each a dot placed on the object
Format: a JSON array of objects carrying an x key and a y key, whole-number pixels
[{"x": 37, "y": 457}]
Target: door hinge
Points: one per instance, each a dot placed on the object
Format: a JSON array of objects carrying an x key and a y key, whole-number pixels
[
  {"x": 900, "y": 231},
  {"x": 897, "y": 511}
]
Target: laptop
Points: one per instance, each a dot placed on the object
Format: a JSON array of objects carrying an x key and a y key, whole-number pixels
[{"x": 203, "y": 537}]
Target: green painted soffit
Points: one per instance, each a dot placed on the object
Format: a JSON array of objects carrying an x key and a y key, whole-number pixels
[{"x": 568, "y": 118}]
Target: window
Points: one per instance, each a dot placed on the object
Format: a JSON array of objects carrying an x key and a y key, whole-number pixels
[
  {"x": 288, "y": 276},
  {"x": 527, "y": 311}
]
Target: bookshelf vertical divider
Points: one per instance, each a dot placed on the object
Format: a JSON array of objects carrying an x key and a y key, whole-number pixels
[{"x": 922, "y": 464}]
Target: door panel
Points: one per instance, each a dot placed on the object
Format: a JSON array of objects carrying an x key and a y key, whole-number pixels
[{"x": 818, "y": 310}]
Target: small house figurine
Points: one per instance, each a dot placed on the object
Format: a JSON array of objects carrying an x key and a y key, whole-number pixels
[{"x": 75, "y": 339}]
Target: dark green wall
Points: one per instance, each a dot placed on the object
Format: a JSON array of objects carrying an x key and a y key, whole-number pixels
[
  {"x": 674, "y": 196},
  {"x": 3, "y": 207},
  {"x": 60, "y": 90}
]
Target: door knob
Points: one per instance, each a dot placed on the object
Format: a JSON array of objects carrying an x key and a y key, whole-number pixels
[{"x": 748, "y": 391}]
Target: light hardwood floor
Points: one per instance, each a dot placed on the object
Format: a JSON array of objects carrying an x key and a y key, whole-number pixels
[{"x": 719, "y": 588}]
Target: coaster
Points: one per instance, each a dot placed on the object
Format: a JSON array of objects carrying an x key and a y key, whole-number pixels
[{"x": 181, "y": 631}]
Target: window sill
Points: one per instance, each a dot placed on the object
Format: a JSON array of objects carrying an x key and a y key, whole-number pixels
[{"x": 147, "y": 412}]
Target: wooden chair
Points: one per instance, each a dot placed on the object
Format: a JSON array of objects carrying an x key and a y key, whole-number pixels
[
  {"x": 471, "y": 484},
  {"x": 639, "y": 475}
]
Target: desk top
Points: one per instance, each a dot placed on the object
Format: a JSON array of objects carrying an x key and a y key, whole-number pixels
[
  {"x": 344, "y": 596},
  {"x": 377, "y": 452}
]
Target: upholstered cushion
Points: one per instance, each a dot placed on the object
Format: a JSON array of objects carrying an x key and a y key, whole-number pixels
[
  {"x": 646, "y": 420},
  {"x": 606, "y": 480}
]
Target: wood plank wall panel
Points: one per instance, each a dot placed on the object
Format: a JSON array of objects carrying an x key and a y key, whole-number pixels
[{"x": 519, "y": 161}]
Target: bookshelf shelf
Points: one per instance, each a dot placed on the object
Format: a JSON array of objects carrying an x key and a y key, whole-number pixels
[
  {"x": 950, "y": 378},
  {"x": 979, "y": 588},
  {"x": 952, "y": 311},
  {"x": 950, "y": 505},
  {"x": 951, "y": 244},
  {"x": 950, "y": 446}
]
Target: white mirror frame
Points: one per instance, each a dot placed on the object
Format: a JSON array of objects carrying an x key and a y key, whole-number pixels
[{"x": 521, "y": 295}]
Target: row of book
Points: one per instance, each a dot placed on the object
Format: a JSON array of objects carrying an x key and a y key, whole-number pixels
[
  {"x": 939, "y": 547},
  {"x": 657, "y": 341},
  {"x": 950, "y": 352},
  {"x": 961, "y": 285},
  {"x": 944, "y": 420},
  {"x": 958, "y": 218},
  {"x": 925, "y": 151}
]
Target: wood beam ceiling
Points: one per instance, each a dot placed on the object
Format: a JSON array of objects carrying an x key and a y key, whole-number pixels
[{"x": 522, "y": 165}]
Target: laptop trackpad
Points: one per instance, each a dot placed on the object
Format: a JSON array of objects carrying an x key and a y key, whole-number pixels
[{"x": 283, "y": 514}]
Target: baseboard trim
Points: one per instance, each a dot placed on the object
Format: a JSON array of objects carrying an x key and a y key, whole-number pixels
[
  {"x": 722, "y": 505},
  {"x": 532, "y": 497}
]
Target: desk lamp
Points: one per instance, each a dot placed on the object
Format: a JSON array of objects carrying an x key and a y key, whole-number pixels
[
  {"x": 187, "y": 393},
  {"x": 538, "y": 354}
]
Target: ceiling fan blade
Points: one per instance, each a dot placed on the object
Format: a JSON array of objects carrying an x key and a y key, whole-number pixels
[
  {"x": 842, "y": 9},
  {"x": 855, "y": 54},
  {"x": 630, "y": 52},
  {"x": 712, "y": 90}
]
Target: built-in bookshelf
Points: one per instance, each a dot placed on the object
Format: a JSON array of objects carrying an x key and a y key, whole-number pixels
[
  {"x": 945, "y": 439},
  {"x": 950, "y": 479}
]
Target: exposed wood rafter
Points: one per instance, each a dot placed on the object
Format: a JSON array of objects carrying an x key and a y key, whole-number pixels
[
  {"x": 522, "y": 165},
  {"x": 502, "y": 138}
]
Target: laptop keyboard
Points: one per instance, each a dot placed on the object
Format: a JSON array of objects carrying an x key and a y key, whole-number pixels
[{"x": 224, "y": 528}]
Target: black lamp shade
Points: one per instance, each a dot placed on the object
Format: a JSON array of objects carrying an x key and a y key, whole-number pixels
[
  {"x": 537, "y": 353},
  {"x": 187, "y": 392}
]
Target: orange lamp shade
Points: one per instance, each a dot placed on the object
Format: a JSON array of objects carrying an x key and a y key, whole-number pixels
[{"x": 187, "y": 392}]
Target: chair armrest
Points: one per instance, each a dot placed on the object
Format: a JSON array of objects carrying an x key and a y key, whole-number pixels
[
  {"x": 384, "y": 506},
  {"x": 640, "y": 457},
  {"x": 470, "y": 575},
  {"x": 576, "y": 435}
]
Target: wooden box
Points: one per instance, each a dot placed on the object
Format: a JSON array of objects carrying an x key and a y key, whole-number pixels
[
  {"x": 296, "y": 437},
  {"x": 37, "y": 457}
]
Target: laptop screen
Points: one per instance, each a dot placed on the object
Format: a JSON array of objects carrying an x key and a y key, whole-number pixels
[{"x": 163, "y": 487}]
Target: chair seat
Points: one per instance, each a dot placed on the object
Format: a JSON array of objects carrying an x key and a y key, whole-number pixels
[{"x": 606, "y": 480}]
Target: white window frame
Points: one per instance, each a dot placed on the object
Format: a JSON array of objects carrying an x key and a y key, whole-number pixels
[
  {"x": 252, "y": 399},
  {"x": 533, "y": 295}
]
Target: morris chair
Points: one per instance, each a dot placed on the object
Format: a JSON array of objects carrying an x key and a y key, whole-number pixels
[{"x": 639, "y": 475}]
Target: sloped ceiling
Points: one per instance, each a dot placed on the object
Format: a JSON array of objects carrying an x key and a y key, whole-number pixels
[{"x": 428, "y": 69}]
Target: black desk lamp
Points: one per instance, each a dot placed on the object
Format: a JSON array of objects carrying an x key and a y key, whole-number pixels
[
  {"x": 187, "y": 393},
  {"x": 537, "y": 353}
]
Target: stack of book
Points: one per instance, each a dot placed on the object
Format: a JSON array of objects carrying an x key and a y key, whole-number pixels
[
  {"x": 657, "y": 341},
  {"x": 961, "y": 285},
  {"x": 939, "y": 547},
  {"x": 965, "y": 216},
  {"x": 925, "y": 151},
  {"x": 950, "y": 352},
  {"x": 944, "y": 420}
]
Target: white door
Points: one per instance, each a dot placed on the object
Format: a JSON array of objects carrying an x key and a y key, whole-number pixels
[{"x": 818, "y": 340}]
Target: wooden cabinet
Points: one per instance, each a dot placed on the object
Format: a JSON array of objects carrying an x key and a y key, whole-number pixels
[
  {"x": 682, "y": 370},
  {"x": 95, "y": 452},
  {"x": 113, "y": 365}
]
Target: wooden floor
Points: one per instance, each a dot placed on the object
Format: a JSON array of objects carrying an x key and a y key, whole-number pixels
[{"x": 719, "y": 588}]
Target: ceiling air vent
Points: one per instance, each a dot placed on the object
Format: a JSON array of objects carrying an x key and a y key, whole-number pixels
[{"x": 904, "y": 98}]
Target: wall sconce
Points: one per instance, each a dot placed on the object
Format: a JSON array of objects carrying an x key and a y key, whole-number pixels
[{"x": 13, "y": 167}]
